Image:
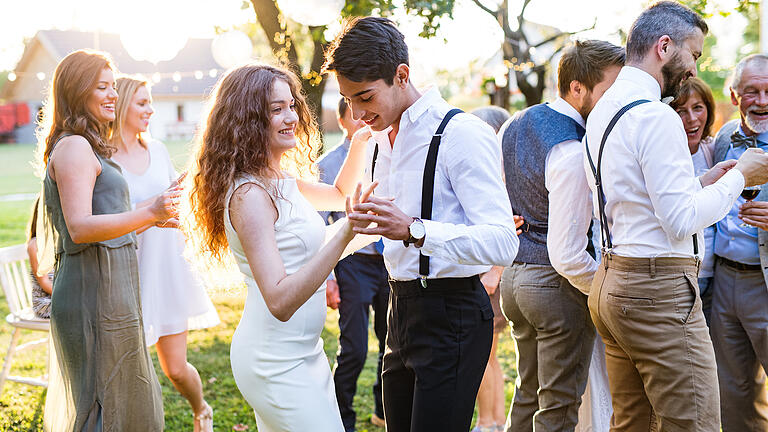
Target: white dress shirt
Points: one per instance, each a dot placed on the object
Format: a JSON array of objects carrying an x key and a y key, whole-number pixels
[
  {"x": 472, "y": 226},
  {"x": 570, "y": 207},
  {"x": 654, "y": 202}
]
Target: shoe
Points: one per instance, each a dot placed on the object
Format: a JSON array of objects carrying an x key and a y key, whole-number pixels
[
  {"x": 204, "y": 420},
  {"x": 377, "y": 421}
]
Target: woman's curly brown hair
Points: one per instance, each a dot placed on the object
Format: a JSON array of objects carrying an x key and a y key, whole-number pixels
[
  {"x": 65, "y": 110},
  {"x": 234, "y": 143}
]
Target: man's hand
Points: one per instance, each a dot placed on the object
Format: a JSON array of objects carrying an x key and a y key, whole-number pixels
[
  {"x": 332, "y": 297},
  {"x": 519, "y": 221},
  {"x": 754, "y": 165},
  {"x": 390, "y": 221},
  {"x": 755, "y": 213},
  {"x": 716, "y": 172},
  {"x": 491, "y": 279}
]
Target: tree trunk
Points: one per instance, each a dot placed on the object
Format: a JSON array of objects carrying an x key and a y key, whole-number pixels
[{"x": 281, "y": 41}]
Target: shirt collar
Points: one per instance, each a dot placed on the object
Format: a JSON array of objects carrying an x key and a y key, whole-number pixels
[
  {"x": 345, "y": 143},
  {"x": 428, "y": 98},
  {"x": 762, "y": 137},
  {"x": 641, "y": 78},
  {"x": 560, "y": 105}
]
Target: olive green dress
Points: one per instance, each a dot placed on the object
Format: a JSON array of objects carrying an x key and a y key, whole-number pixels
[{"x": 101, "y": 376}]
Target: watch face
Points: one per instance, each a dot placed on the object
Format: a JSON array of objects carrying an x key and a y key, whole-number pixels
[{"x": 417, "y": 230}]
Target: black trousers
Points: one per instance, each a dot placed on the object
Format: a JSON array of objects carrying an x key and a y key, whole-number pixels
[
  {"x": 438, "y": 342},
  {"x": 363, "y": 287}
]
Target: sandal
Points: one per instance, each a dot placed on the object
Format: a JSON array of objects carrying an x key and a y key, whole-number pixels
[{"x": 204, "y": 419}]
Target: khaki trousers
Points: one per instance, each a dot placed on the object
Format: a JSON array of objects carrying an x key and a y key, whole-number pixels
[{"x": 659, "y": 356}]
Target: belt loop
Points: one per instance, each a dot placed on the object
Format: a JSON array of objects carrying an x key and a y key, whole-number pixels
[{"x": 653, "y": 267}]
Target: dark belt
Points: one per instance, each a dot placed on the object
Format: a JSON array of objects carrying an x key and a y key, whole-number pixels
[
  {"x": 440, "y": 285},
  {"x": 739, "y": 266},
  {"x": 368, "y": 256}
]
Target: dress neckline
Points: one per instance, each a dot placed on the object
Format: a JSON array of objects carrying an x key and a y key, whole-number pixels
[{"x": 146, "y": 170}]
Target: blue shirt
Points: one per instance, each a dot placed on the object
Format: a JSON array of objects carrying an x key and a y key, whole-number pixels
[
  {"x": 733, "y": 241},
  {"x": 328, "y": 168}
]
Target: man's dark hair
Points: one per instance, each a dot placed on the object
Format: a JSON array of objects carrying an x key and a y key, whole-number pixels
[
  {"x": 367, "y": 49},
  {"x": 663, "y": 18},
  {"x": 585, "y": 62},
  {"x": 341, "y": 110}
]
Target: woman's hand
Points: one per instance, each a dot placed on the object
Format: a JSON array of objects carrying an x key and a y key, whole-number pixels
[
  {"x": 165, "y": 206},
  {"x": 359, "y": 196},
  {"x": 361, "y": 137}
]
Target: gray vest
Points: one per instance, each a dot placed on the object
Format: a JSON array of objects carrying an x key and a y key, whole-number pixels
[{"x": 529, "y": 137}]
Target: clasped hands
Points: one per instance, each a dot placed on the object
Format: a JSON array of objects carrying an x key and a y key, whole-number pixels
[{"x": 372, "y": 215}]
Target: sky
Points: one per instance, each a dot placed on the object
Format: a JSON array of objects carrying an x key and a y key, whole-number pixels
[{"x": 471, "y": 35}]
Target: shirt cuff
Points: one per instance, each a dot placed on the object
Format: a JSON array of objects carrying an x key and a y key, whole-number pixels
[
  {"x": 733, "y": 180},
  {"x": 434, "y": 232}
]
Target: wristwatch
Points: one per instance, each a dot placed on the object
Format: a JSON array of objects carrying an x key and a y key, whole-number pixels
[{"x": 416, "y": 232}]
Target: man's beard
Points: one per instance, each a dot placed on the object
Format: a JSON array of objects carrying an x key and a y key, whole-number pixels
[
  {"x": 756, "y": 126},
  {"x": 586, "y": 106},
  {"x": 673, "y": 73}
]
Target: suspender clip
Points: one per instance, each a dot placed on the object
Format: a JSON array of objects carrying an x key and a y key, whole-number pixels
[{"x": 423, "y": 281}]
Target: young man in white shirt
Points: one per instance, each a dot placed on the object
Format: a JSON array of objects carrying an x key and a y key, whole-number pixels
[
  {"x": 440, "y": 319},
  {"x": 644, "y": 298},
  {"x": 544, "y": 293}
]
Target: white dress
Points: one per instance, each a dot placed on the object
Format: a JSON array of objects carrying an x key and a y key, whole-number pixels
[
  {"x": 596, "y": 406},
  {"x": 172, "y": 298},
  {"x": 280, "y": 367}
]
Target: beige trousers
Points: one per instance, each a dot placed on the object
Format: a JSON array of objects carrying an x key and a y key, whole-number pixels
[{"x": 659, "y": 356}]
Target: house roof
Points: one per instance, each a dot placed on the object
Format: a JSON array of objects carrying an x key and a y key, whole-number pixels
[{"x": 195, "y": 56}]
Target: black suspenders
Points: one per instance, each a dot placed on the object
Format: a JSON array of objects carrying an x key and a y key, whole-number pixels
[
  {"x": 607, "y": 242},
  {"x": 428, "y": 183}
]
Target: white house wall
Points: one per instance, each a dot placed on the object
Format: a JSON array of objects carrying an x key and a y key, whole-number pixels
[{"x": 164, "y": 124}]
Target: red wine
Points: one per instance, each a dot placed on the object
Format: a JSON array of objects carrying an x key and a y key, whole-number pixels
[{"x": 750, "y": 194}]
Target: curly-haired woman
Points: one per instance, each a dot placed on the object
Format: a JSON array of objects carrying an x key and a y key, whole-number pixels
[{"x": 243, "y": 197}]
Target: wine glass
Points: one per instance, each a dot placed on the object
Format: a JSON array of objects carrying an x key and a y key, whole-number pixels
[{"x": 749, "y": 193}]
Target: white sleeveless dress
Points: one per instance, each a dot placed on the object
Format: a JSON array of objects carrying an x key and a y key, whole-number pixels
[
  {"x": 173, "y": 299},
  {"x": 280, "y": 367}
]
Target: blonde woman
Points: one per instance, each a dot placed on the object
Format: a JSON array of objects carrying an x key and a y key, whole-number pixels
[
  {"x": 173, "y": 300},
  {"x": 101, "y": 376}
]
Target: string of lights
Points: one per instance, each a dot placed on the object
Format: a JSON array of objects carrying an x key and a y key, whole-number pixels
[{"x": 155, "y": 77}]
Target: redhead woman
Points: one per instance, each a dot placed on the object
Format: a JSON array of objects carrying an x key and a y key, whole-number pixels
[
  {"x": 102, "y": 378},
  {"x": 245, "y": 198},
  {"x": 172, "y": 299},
  {"x": 696, "y": 107}
]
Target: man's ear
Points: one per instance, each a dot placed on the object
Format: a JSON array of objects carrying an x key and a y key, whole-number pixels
[
  {"x": 576, "y": 89},
  {"x": 734, "y": 98},
  {"x": 402, "y": 75},
  {"x": 664, "y": 47}
]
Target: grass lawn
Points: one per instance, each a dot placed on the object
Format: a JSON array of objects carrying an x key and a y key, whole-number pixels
[{"x": 21, "y": 406}]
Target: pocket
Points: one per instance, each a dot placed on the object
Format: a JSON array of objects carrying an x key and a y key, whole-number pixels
[
  {"x": 627, "y": 300},
  {"x": 692, "y": 285}
]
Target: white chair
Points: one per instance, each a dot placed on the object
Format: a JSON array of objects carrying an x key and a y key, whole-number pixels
[{"x": 15, "y": 280}]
